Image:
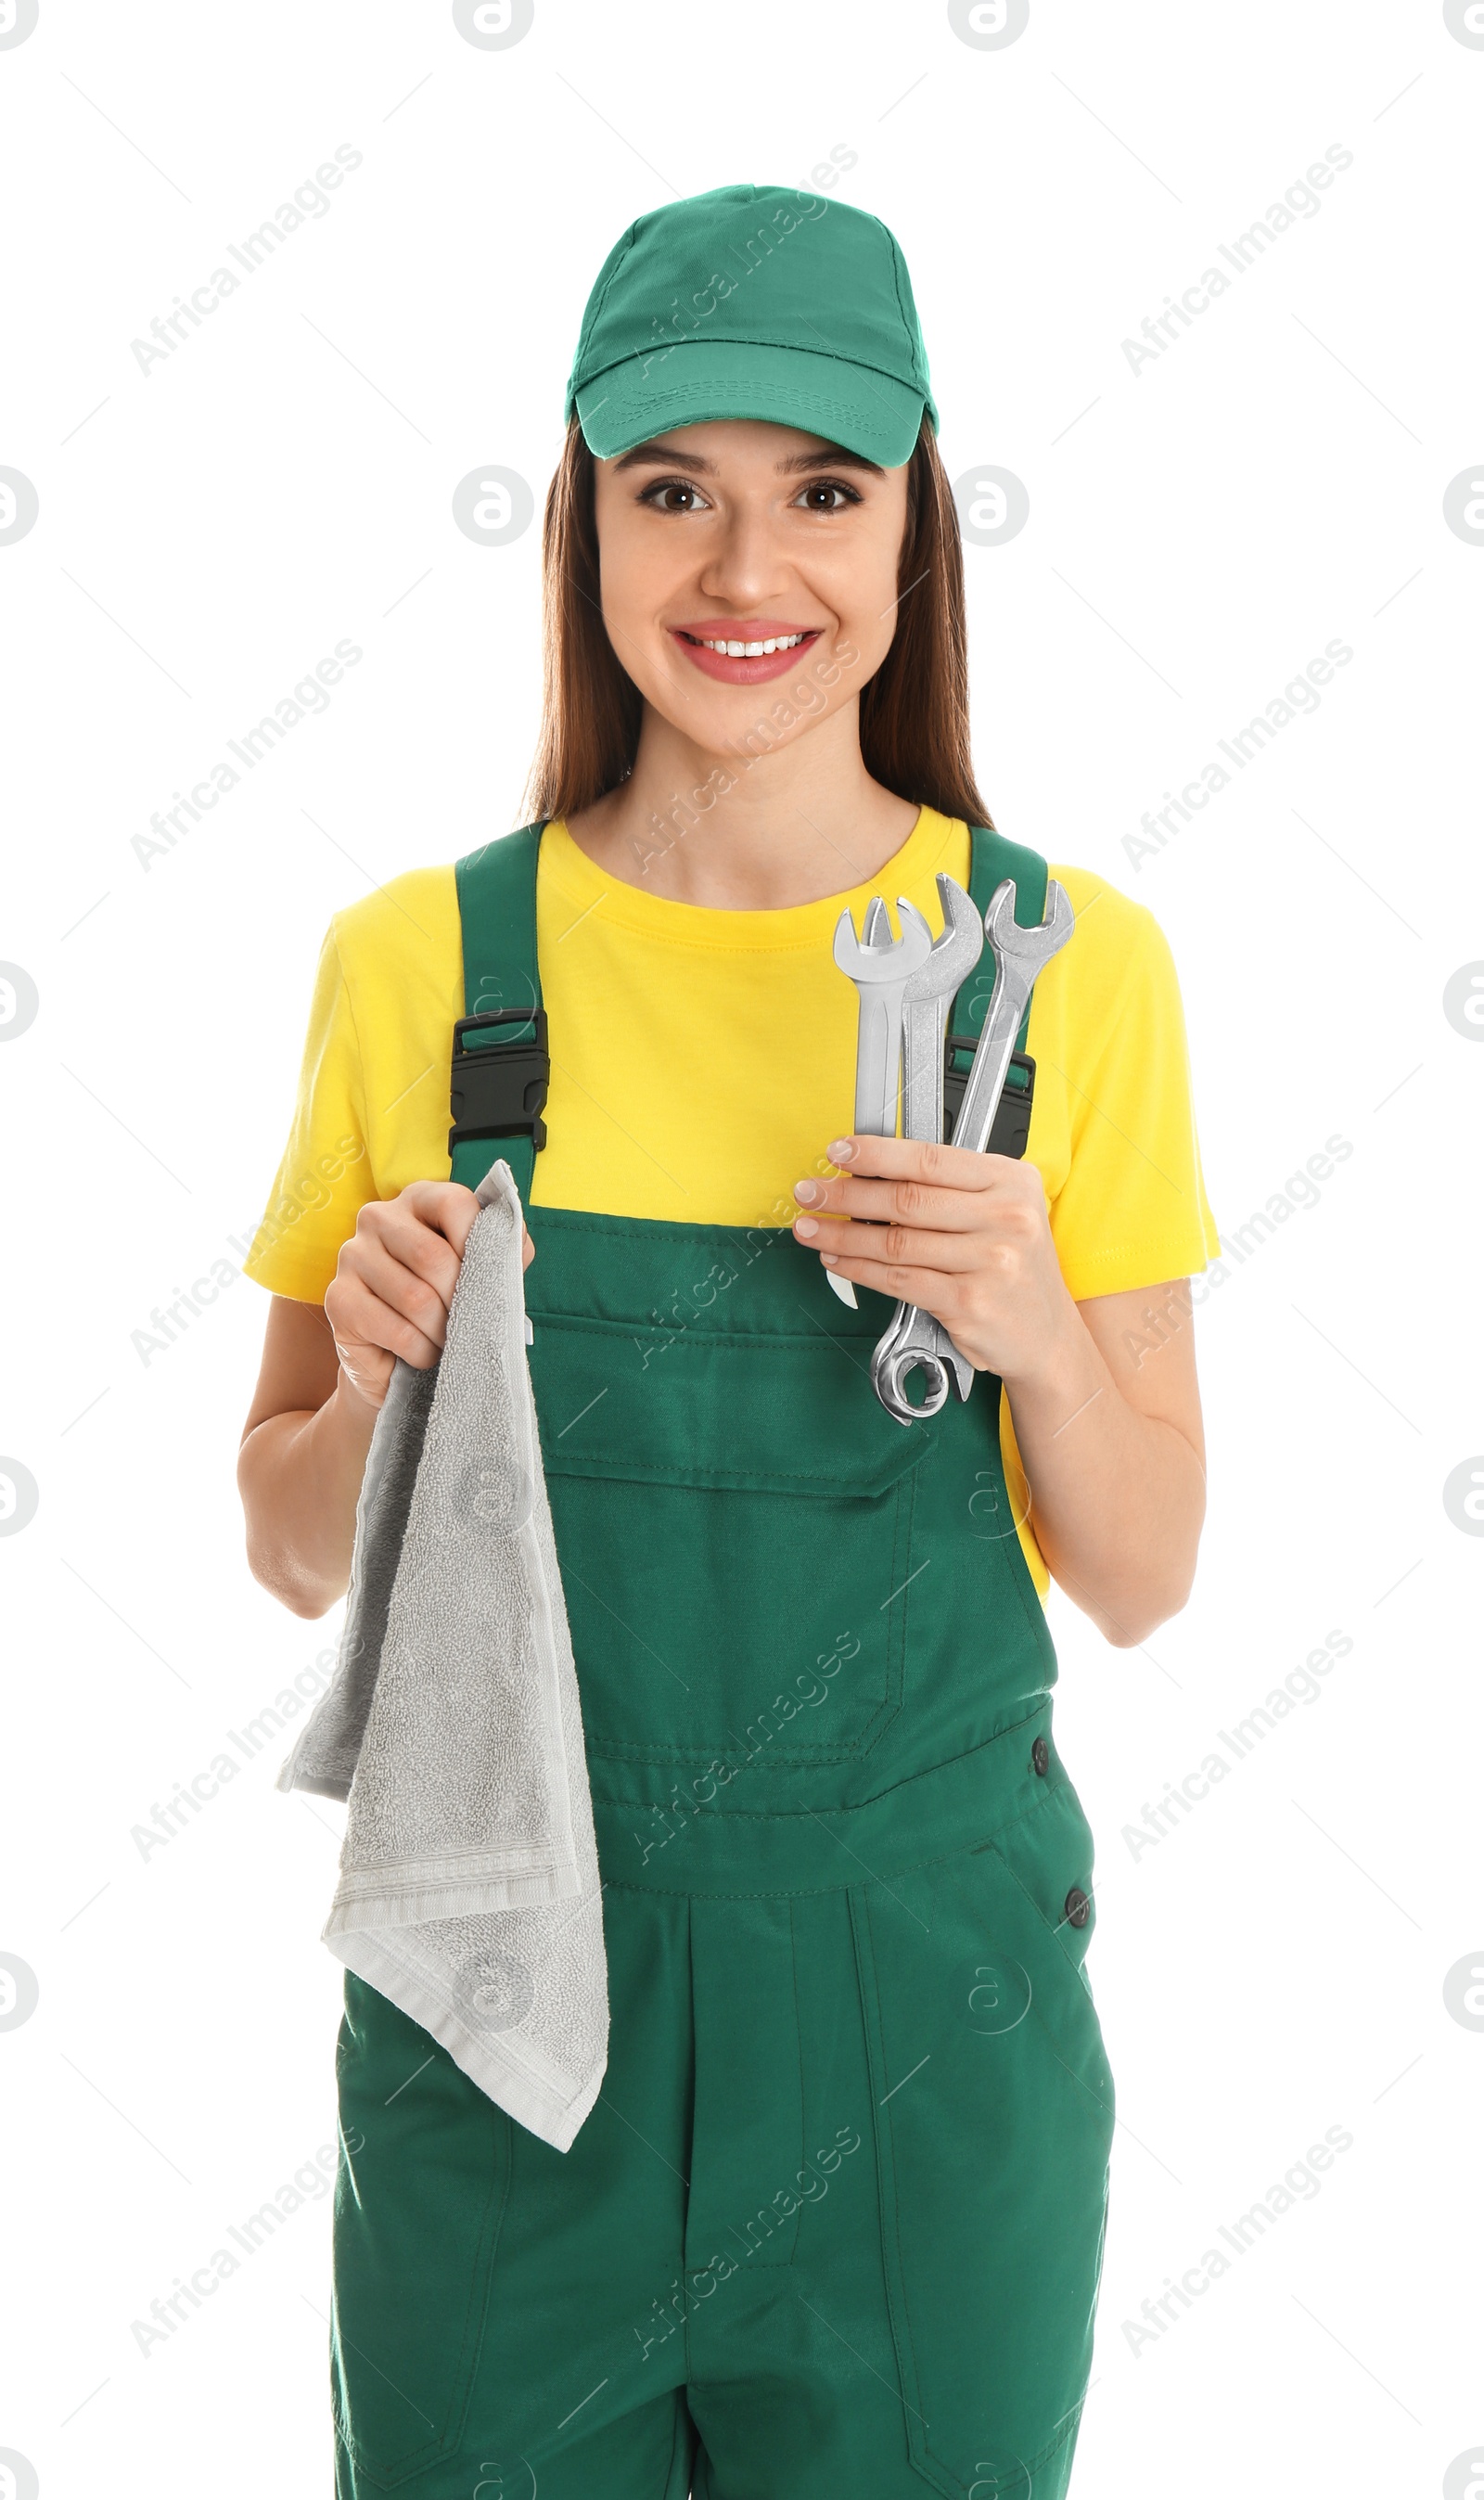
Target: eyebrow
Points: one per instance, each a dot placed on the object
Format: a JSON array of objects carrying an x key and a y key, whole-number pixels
[{"x": 660, "y": 455}]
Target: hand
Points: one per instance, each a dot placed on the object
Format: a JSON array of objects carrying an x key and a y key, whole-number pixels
[
  {"x": 963, "y": 1236},
  {"x": 394, "y": 1282}
]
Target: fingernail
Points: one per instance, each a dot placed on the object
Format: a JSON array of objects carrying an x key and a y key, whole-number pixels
[
  {"x": 809, "y": 1192},
  {"x": 828, "y": 1258},
  {"x": 841, "y": 1150},
  {"x": 805, "y": 1228}
]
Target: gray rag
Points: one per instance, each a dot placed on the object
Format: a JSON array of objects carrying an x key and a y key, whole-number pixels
[{"x": 469, "y": 1890}]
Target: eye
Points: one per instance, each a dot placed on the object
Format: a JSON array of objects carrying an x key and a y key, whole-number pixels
[
  {"x": 826, "y": 495},
  {"x": 658, "y": 496}
]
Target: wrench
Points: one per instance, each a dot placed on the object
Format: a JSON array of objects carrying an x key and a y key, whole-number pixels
[
  {"x": 880, "y": 966},
  {"x": 956, "y": 950},
  {"x": 914, "y": 1336},
  {"x": 1020, "y": 954},
  {"x": 955, "y": 953}
]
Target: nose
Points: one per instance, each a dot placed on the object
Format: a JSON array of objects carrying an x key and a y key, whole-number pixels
[{"x": 744, "y": 566}]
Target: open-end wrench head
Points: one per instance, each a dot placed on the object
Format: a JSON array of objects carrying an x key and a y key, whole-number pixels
[
  {"x": 893, "y": 960},
  {"x": 1028, "y": 947},
  {"x": 956, "y": 949}
]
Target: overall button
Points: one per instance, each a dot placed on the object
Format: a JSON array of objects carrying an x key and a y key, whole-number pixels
[
  {"x": 1041, "y": 1757},
  {"x": 1077, "y": 1906}
]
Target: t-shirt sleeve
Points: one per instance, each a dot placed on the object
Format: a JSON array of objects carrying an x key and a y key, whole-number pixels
[
  {"x": 1132, "y": 1210},
  {"x": 325, "y": 1177}
]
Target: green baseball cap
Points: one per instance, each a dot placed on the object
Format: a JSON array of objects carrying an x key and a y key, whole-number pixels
[{"x": 754, "y": 301}]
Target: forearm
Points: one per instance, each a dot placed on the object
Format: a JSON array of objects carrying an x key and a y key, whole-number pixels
[
  {"x": 1117, "y": 1497},
  {"x": 300, "y": 1476}
]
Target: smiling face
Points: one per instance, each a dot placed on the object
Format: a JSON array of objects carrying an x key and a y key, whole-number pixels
[{"x": 738, "y": 553}]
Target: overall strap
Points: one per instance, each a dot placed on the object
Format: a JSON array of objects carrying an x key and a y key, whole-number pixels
[
  {"x": 502, "y": 1068},
  {"x": 992, "y": 859}
]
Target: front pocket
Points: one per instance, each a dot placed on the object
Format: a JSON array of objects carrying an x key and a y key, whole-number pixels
[
  {"x": 1049, "y": 1854},
  {"x": 424, "y": 2171},
  {"x": 994, "y": 2123},
  {"x": 733, "y": 1519}
]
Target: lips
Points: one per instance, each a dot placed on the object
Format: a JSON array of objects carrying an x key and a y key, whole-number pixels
[{"x": 743, "y": 658}]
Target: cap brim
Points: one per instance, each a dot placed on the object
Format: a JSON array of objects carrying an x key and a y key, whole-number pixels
[{"x": 696, "y": 382}]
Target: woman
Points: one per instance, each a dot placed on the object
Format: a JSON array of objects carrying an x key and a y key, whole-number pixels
[{"x": 836, "y": 2223}]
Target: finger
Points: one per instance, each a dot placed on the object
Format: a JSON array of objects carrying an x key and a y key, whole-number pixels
[
  {"x": 360, "y": 1320},
  {"x": 407, "y": 1297},
  {"x": 895, "y": 1202},
  {"x": 916, "y": 1159},
  {"x": 415, "y": 1247},
  {"x": 443, "y": 1204},
  {"x": 893, "y": 1244},
  {"x": 931, "y": 1289}
]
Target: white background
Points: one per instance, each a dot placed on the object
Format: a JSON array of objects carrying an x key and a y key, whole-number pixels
[{"x": 1197, "y": 532}]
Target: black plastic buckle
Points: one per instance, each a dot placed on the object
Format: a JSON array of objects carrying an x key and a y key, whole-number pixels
[
  {"x": 1012, "y": 1119},
  {"x": 499, "y": 1089}
]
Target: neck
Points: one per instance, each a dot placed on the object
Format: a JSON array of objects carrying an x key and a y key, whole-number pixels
[{"x": 744, "y": 831}]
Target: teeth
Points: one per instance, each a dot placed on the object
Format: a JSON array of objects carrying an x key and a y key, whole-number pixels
[{"x": 753, "y": 650}]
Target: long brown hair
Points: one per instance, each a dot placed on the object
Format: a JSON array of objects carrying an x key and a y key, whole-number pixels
[{"x": 914, "y": 712}]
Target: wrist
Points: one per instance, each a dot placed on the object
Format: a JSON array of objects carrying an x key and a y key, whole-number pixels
[
  {"x": 354, "y": 1414},
  {"x": 1061, "y": 1368}
]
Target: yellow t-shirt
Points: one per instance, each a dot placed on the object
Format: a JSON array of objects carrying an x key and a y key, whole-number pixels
[{"x": 703, "y": 1060}]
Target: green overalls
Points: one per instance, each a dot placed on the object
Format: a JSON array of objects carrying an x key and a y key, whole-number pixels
[{"x": 835, "y": 2225}]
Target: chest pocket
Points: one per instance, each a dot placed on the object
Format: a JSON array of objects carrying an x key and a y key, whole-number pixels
[{"x": 734, "y": 1523}]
